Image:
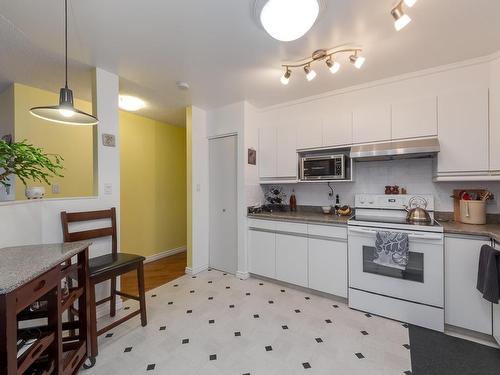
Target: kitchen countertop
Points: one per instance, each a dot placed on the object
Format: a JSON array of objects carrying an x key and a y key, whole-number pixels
[
  {"x": 303, "y": 217},
  {"x": 21, "y": 264},
  {"x": 486, "y": 230},
  {"x": 451, "y": 227}
]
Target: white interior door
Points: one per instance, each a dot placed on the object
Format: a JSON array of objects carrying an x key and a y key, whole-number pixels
[{"x": 223, "y": 218}]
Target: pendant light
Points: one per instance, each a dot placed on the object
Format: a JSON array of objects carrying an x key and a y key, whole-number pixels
[{"x": 65, "y": 112}]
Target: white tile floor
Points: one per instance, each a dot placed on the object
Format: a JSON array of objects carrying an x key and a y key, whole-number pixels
[{"x": 218, "y": 324}]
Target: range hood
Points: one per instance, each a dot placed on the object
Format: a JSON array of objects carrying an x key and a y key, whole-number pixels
[{"x": 418, "y": 148}]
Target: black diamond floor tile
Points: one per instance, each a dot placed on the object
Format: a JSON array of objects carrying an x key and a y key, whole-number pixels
[
  {"x": 359, "y": 355},
  {"x": 185, "y": 341},
  {"x": 319, "y": 340},
  {"x": 306, "y": 365},
  {"x": 128, "y": 349},
  {"x": 364, "y": 333},
  {"x": 269, "y": 348},
  {"x": 213, "y": 357},
  {"x": 150, "y": 367}
]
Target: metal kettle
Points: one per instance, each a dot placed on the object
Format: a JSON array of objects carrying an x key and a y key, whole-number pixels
[{"x": 416, "y": 213}]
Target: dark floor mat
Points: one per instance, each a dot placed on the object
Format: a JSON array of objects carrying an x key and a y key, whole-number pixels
[{"x": 434, "y": 353}]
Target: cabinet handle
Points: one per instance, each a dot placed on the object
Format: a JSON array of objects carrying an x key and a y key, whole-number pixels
[{"x": 40, "y": 286}]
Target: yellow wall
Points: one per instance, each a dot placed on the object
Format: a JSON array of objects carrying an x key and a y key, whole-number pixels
[
  {"x": 189, "y": 184},
  {"x": 153, "y": 185},
  {"x": 73, "y": 143}
]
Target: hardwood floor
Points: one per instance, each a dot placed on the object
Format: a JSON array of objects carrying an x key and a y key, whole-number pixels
[{"x": 156, "y": 273}]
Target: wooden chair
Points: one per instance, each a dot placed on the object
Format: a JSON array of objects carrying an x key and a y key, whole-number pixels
[{"x": 106, "y": 267}]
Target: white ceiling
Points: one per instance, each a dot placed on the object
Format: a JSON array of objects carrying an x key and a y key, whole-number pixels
[{"x": 222, "y": 52}]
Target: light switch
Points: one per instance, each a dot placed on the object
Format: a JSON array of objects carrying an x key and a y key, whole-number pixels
[
  {"x": 56, "y": 188},
  {"x": 108, "y": 189}
]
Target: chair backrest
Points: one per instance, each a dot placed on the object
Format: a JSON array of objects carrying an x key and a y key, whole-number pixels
[{"x": 72, "y": 217}]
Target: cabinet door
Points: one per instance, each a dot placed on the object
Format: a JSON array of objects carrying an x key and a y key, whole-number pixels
[
  {"x": 328, "y": 266},
  {"x": 291, "y": 259},
  {"x": 371, "y": 124},
  {"x": 309, "y": 132},
  {"x": 286, "y": 151},
  {"x": 414, "y": 118},
  {"x": 494, "y": 99},
  {"x": 262, "y": 253},
  {"x": 337, "y": 129},
  {"x": 464, "y": 305},
  {"x": 463, "y": 131},
  {"x": 267, "y": 152}
]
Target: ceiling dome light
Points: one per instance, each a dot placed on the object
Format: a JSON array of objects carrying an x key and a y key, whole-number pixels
[
  {"x": 410, "y": 3},
  {"x": 401, "y": 19},
  {"x": 130, "y": 103},
  {"x": 357, "y": 61},
  {"x": 287, "y": 20},
  {"x": 285, "y": 78},
  {"x": 333, "y": 65},
  {"x": 65, "y": 112},
  {"x": 310, "y": 74}
]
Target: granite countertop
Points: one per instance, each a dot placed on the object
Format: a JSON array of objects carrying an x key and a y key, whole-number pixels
[
  {"x": 487, "y": 230},
  {"x": 21, "y": 264},
  {"x": 303, "y": 217}
]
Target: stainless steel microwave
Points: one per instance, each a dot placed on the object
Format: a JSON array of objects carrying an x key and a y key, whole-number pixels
[{"x": 323, "y": 167}]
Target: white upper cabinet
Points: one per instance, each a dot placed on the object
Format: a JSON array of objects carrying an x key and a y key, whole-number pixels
[
  {"x": 337, "y": 129},
  {"x": 494, "y": 106},
  {"x": 416, "y": 117},
  {"x": 371, "y": 123},
  {"x": 267, "y": 152},
  {"x": 463, "y": 131},
  {"x": 286, "y": 151},
  {"x": 309, "y": 131}
]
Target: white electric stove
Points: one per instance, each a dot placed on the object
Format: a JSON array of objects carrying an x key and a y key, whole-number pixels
[{"x": 413, "y": 295}]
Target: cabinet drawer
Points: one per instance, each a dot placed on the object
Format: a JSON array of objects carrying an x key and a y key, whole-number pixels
[
  {"x": 37, "y": 288},
  {"x": 262, "y": 224},
  {"x": 328, "y": 231},
  {"x": 297, "y": 228}
]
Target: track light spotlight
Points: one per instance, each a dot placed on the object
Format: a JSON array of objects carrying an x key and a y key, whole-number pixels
[
  {"x": 310, "y": 74},
  {"x": 334, "y": 66},
  {"x": 285, "y": 78},
  {"x": 410, "y": 3},
  {"x": 356, "y": 60},
  {"x": 401, "y": 19}
]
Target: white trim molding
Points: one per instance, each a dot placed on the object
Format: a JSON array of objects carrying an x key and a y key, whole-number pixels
[
  {"x": 243, "y": 275},
  {"x": 195, "y": 270},
  {"x": 164, "y": 254}
]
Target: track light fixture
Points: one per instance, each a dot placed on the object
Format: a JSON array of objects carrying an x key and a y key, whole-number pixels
[
  {"x": 356, "y": 60},
  {"x": 285, "y": 78},
  {"x": 310, "y": 74},
  {"x": 320, "y": 55},
  {"x": 401, "y": 19}
]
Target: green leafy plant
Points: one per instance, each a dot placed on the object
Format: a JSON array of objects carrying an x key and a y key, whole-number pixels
[{"x": 27, "y": 162}]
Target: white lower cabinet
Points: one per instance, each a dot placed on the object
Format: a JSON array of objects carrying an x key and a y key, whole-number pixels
[
  {"x": 311, "y": 256},
  {"x": 464, "y": 305},
  {"x": 262, "y": 253},
  {"x": 291, "y": 259},
  {"x": 328, "y": 266}
]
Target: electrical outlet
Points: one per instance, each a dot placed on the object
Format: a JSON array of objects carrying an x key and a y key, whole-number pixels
[
  {"x": 108, "y": 189},
  {"x": 56, "y": 189}
]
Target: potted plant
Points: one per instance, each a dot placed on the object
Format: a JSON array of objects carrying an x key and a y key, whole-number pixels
[{"x": 28, "y": 162}]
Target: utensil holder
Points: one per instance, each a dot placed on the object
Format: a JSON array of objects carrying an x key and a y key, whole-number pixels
[{"x": 473, "y": 212}]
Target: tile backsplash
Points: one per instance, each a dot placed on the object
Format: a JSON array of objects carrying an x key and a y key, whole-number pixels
[{"x": 371, "y": 177}]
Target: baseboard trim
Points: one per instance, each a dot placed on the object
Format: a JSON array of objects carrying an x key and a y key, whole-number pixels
[
  {"x": 242, "y": 275},
  {"x": 164, "y": 254},
  {"x": 194, "y": 270}
]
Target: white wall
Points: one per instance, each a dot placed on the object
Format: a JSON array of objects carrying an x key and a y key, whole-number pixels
[
  {"x": 37, "y": 222},
  {"x": 200, "y": 203}
]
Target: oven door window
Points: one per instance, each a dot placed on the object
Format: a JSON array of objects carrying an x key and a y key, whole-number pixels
[{"x": 414, "y": 270}]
